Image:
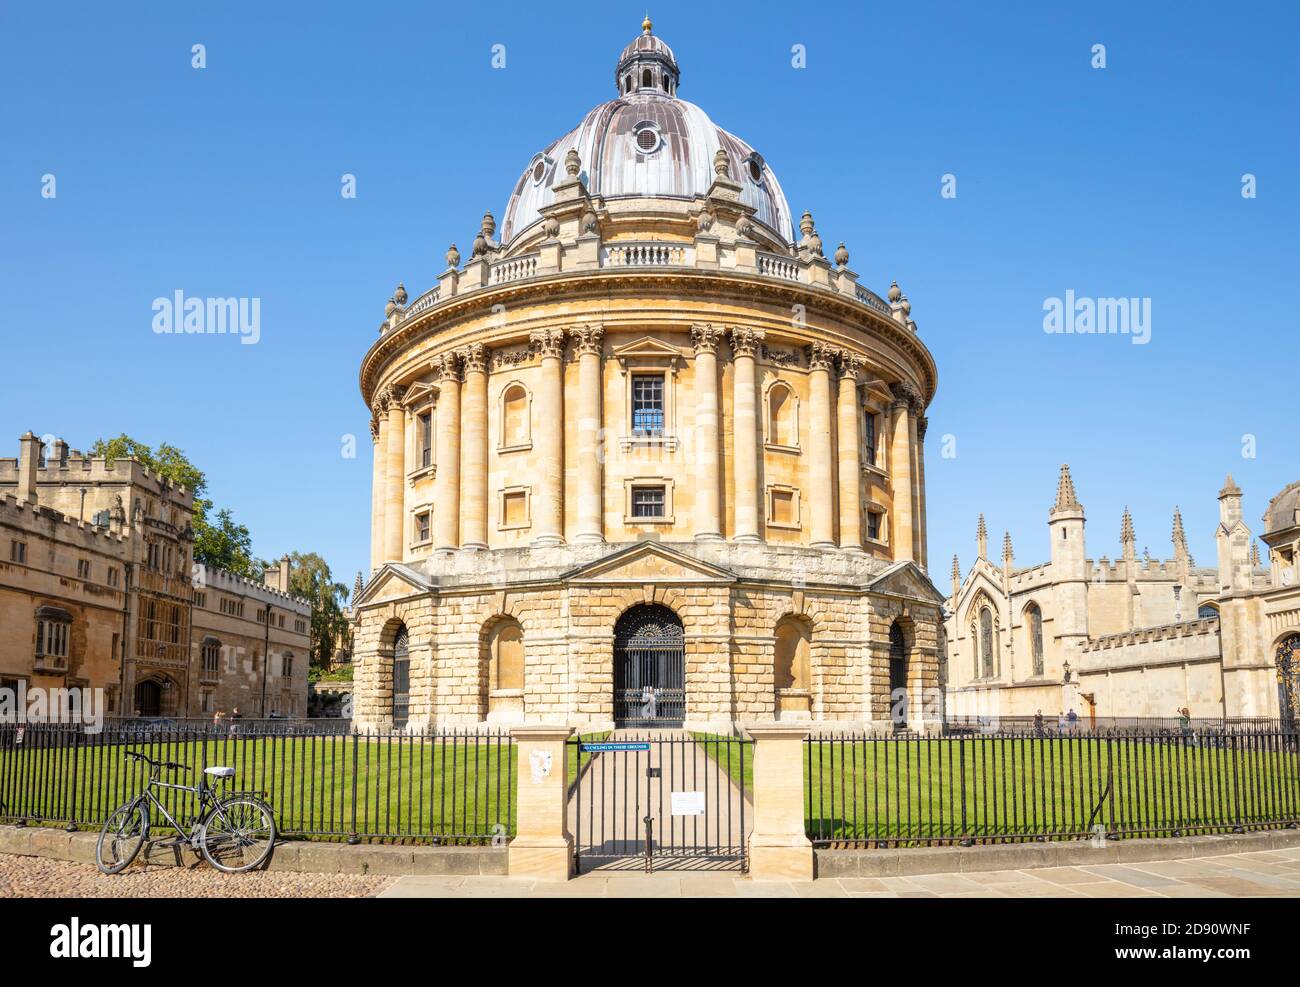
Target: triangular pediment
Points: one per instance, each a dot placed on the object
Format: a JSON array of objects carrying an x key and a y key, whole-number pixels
[
  {"x": 984, "y": 580},
  {"x": 905, "y": 579},
  {"x": 649, "y": 562},
  {"x": 393, "y": 581},
  {"x": 647, "y": 350}
]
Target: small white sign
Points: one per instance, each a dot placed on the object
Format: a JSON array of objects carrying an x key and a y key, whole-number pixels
[{"x": 688, "y": 803}]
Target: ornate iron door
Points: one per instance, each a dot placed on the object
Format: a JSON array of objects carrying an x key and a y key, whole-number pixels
[
  {"x": 649, "y": 668},
  {"x": 401, "y": 680}
]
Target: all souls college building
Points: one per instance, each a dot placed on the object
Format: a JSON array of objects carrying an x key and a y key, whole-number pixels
[{"x": 649, "y": 455}]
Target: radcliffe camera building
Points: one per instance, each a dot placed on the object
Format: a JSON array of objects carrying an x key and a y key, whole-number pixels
[
  {"x": 649, "y": 453},
  {"x": 98, "y": 590}
]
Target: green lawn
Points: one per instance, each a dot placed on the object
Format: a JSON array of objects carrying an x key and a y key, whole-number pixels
[
  {"x": 911, "y": 791},
  {"x": 733, "y": 756},
  {"x": 449, "y": 788}
]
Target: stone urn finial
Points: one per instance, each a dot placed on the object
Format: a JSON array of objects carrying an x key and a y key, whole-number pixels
[
  {"x": 895, "y": 293},
  {"x": 722, "y": 164},
  {"x": 453, "y": 256},
  {"x": 744, "y": 227},
  {"x": 590, "y": 222},
  {"x": 841, "y": 255},
  {"x": 806, "y": 225},
  {"x": 704, "y": 221},
  {"x": 552, "y": 227},
  {"x": 907, "y": 306},
  {"x": 390, "y": 308},
  {"x": 572, "y": 162},
  {"x": 400, "y": 296},
  {"x": 489, "y": 225}
]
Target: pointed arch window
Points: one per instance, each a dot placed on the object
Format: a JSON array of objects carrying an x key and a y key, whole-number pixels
[
  {"x": 1034, "y": 619},
  {"x": 986, "y": 642},
  {"x": 401, "y": 678}
]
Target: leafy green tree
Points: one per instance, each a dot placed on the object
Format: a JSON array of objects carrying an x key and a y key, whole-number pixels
[
  {"x": 218, "y": 539},
  {"x": 311, "y": 580}
]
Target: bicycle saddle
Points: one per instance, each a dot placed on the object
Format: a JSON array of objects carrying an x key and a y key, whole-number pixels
[{"x": 220, "y": 772}]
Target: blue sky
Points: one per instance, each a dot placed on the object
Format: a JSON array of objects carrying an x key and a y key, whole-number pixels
[{"x": 1123, "y": 181}]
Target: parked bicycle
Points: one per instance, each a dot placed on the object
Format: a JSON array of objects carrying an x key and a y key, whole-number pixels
[{"x": 234, "y": 831}]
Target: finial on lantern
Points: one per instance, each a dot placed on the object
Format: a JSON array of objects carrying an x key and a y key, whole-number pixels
[{"x": 645, "y": 24}]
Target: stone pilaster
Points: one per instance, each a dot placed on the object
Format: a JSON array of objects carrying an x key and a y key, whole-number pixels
[
  {"x": 378, "y": 474},
  {"x": 922, "y": 423},
  {"x": 708, "y": 472},
  {"x": 821, "y": 479},
  {"x": 900, "y": 468},
  {"x": 548, "y": 520},
  {"x": 446, "y": 508},
  {"x": 589, "y": 344},
  {"x": 848, "y": 416},
  {"x": 395, "y": 487},
  {"x": 473, "y": 449},
  {"x": 748, "y": 495}
]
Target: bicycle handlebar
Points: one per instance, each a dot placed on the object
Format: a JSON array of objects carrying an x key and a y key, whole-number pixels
[{"x": 170, "y": 765}]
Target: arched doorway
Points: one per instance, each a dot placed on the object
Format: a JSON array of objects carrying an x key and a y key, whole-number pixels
[
  {"x": 1288, "y": 679},
  {"x": 148, "y": 698},
  {"x": 898, "y": 676},
  {"x": 649, "y": 668},
  {"x": 401, "y": 679}
]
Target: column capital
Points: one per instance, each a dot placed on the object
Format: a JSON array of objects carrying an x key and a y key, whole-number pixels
[
  {"x": 388, "y": 397},
  {"x": 745, "y": 341},
  {"x": 907, "y": 395},
  {"x": 447, "y": 366},
  {"x": 548, "y": 342},
  {"x": 705, "y": 337},
  {"x": 374, "y": 428},
  {"x": 851, "y": 365},
  {"x": 589, "y": 338},
  {"x": 821, "y": 356},
  {"x": 474, "y": 358},
  {"x": 922, "y": 424}
]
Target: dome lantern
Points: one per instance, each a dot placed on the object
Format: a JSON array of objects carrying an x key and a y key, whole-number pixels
[{"x": 647, "y": 65}]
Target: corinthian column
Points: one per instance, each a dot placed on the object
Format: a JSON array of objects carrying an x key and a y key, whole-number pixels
[
  {"x": 589, "y": 340},
  {"x": 745, "y": 429},
  {"x": 473, "y": 448},
  {"x": 446, "y": 507},
  {"x": 708, "y": 525},
  {"x": 850, "y": 442},
  {"x": 548, "y": 524},
  {"x": 900, "y": 470},
  {"x": 821, "y": 479},
  {"x": 922, "y": 423},
  {"x": 379, "y": 468},
  {"x": 395, "y": 488}
]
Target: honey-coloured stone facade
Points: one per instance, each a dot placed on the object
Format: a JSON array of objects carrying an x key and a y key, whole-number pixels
[{"x": 648, "y": 392}]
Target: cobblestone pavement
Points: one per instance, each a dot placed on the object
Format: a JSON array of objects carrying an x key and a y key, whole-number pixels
[
  {"x": 1273, "y": 873},
  {"x": 37, "y": 877}
]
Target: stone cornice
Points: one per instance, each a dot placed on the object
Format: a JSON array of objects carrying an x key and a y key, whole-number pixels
[{"x": 697, "y": 285}]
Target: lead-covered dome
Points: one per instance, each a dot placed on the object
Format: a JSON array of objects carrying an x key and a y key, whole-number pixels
[{"x": 647, "y": 143}]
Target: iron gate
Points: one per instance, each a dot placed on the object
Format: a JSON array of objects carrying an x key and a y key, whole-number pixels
[
  {"x": 649, "y": 668},
  {"x": 646, "y": 801}
]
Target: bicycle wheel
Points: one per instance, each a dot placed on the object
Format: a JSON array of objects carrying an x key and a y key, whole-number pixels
[
  {"x": 121, "y": 838},
  {"x": 238, "y": 834}
]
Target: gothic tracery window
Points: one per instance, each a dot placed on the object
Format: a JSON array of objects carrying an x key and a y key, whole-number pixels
[
  {"x": 986, "y": 641},
  {"x": 1034, "y": 617}
]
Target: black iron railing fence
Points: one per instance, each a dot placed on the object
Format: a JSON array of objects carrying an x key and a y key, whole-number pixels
[
  {"x": 1056, "y": 725},
  {"x": 444, "y": 787},
  {"x": 1020, "y": 786}
]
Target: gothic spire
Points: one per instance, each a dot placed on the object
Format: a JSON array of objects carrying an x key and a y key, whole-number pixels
[
  {"x": 1180, "y": 537},
  {"x": 1066, "y": 499},
  {"x": 1008, "y": 555},
  {"x": 1126, "y": 536},
  {"x": 982, "y": 539}
]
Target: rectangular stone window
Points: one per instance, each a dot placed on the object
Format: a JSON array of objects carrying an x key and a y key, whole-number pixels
[
  {"x": 113, "y": 576},
  {"x": 648, "y": 502},
  {"x": 783, "y": 507},
  {"x": 875, "y": 525},
  {"x": 424, "y": 438},
  {"x": 83, "y": 568},
  {"x": 514, "y": 508},
  {"x": 648, "y": 404},
  {"x": 422, "y": 527},
  {"x": 869, "y": 438},
  {"x": 18, "y": 552}
]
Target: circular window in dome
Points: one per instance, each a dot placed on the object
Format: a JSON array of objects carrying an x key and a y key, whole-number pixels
[
  {"x": 754, "y": 166},
  {"x": 539, "y": 171},
  {"x": 647, "y": 137},
  {"x": 540, "y": 168}
]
